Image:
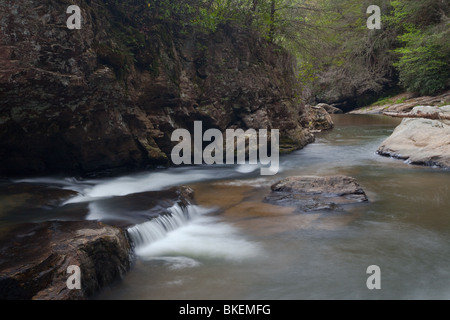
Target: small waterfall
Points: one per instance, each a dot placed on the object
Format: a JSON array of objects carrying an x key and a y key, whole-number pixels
[{"x": 157, "y": 228}]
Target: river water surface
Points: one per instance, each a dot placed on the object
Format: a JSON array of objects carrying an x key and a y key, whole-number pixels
[{"x": 232, "y": 245}]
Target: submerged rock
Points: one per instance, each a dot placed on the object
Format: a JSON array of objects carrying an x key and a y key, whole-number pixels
[
  {"x": 309, "y": 193},
  {"x": 420, "y": 140},
  {"x": 34, "y": 259}
]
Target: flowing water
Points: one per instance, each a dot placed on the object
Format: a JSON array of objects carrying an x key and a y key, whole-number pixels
[{"x": 232, "y": 245}]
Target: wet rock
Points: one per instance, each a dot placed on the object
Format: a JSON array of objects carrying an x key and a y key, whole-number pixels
[
  {"x": 419, "y": 140},
  {"x": 309, "y": 193},
  {"x": 24, "y": 196},
  {"x": 125, "y": 211},
  {"x": 34, "y": 259}
]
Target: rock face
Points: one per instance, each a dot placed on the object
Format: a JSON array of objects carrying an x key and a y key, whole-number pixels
[
  {"x": 330, "y": 109},
  {"x": 34, "y": 259},
  {"x": 110, "y": 95},
  {"x": 309, "y": 193},
  {"x": 421, "y": 141},
  {"x": 426, "y": 112},
  {"x": 405, "y": 102},
  {"x": 318, "y": 118}
]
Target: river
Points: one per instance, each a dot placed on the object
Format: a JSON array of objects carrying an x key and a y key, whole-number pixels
[{"x": 235, "y": 246}]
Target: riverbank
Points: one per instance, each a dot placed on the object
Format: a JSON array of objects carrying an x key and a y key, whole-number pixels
[
  {"x": 423, "y": 136},
  {"x": 404, "y": 102}
]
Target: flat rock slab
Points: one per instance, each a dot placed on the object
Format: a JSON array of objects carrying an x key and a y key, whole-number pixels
[
  {"x": 420, "y": 141},
  {"x": 34, "y": 259},
  {"x": 407, "y": 104},
  {"x": 310, "y": 193}
]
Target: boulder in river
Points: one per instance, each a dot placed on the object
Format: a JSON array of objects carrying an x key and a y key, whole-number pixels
[
  {"x": 420, "y": 140},
  {"x": 34, "y": 259},
  {"x": 309, "y": 193}
]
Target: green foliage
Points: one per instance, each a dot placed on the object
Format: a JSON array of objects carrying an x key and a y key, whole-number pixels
[
  {"x": 424, "y": 54},
  {"x": 337, "y": 55},
  {"x": 348, "y": 59},
  {"x": 401, "y": 100},
  {"x": 383, "y": 102}
]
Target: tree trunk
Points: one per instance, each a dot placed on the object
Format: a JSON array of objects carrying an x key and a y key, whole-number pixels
[{"x": 252, "y": 15}]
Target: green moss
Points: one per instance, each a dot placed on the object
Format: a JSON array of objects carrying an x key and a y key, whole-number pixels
[{"x": 383, "y": 101}]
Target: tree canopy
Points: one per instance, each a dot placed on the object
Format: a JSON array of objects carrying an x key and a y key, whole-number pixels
[{"x": 338, "y": 56}]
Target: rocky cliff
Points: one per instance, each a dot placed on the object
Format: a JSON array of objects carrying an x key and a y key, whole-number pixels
[{"x": 110, "y": 94}]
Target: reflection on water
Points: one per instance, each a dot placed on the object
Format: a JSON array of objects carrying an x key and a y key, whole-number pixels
[{"x": 246, "y": 249}]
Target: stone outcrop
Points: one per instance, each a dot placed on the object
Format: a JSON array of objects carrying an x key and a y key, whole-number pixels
[
  {"x": 310, "y": 193},
  {"x": 34, "y": 259},
  {"x": 330, "y": 109},
  {"x": 421, "y": 141},
  {"x": 426, "y": 112},
  {"x": 110, "y": 95},
  {"x": 317, "y": 118},
  {"x": 405, "y": 102}
]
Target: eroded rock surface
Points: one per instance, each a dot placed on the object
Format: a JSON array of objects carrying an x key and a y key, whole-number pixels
[
  {"x": 109, "y": 96},
  {"x": 309, "y": 193},
  {"x": 318, "y": 119},
  {"x": 34, "y": 259},
  {"x": 420, "y": 140}
]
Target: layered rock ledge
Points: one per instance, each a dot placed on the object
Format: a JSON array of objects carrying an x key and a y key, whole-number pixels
[
  {"x": 80, "y": 102},
  {"x": 405, "y": 102},
  {"x": 34, "y": 259},
  {"x": 309, "y": 193},
  {"x": 423, "y": 138}
]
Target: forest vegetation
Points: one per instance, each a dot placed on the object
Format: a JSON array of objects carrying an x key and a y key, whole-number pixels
[{"x": 338, "y": 57}]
